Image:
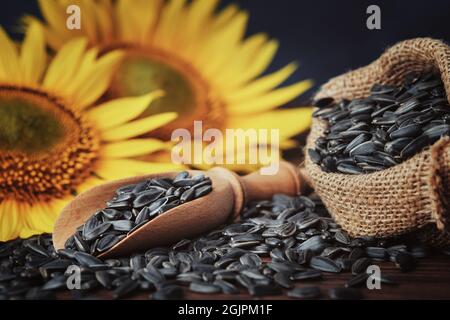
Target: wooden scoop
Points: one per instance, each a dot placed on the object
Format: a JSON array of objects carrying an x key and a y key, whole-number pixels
[{"x": 223, "y": 204}]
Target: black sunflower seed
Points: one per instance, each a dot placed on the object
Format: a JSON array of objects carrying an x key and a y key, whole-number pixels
[
  {"x": 122, "y": 225},
  {"x": 146, "y": 197},
  {"x": 325, "y": 264},
  {"x": 437, "y": 131},
  {"x": 307, "y": 275},
  {"x": 408, "y": 131},
  {"x": 305, "y": 293},
  {"x": 414, "y": 146},
  {"x": 97, "y": 232},
  {"x": 55, "y": 283},
  {"x": 360, "y": 265},
  {"x": 283, "y": 280},
  {"x": 87, "y": 260},
  {"x": 203, "y": 287},
  {"x": 104, "y": 278},
  {"x": 315, "y": 244},
  {"x": 323, "y": 103},
  {"x": 315, "y": 156}
]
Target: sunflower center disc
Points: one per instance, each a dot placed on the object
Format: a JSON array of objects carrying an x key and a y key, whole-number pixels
[
  {"x": 186, "y": 92},
  {"x": 26, "y": 127},
  {"x": 46, "y": 149}
]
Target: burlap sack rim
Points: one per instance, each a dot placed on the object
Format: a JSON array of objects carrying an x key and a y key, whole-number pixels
[{"x": 436, "y": 201}]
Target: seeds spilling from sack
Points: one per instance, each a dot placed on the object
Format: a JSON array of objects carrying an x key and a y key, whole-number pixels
[
  {"x": 384, "y": 129},
  {"x": 132, "y": 207},
  {"x": 277, "y": 244}
]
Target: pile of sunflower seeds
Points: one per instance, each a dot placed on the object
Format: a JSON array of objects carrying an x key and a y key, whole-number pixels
[
  {"x": 384, "y": 129},
  {"x": 276, "y": 244},
  {"x": 132, "y": 207}
]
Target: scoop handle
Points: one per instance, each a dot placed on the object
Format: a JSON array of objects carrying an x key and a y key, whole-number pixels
[{"x": 257, "y": 186}]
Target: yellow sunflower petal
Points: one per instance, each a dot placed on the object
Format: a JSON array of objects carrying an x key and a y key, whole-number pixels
[
  {"x": 138, "y": 127},
  {"x": 263, "y": 84},
  {"x": 257, "y": 65},
  {"x": 169, "y": 20},
  {"x": 225, "y": 16},
  {"x": 9, "y": 59},
  {"x": 40, "y": 218},
  {"x": 54, "y": 37},
  {"x": 133, "y": 148},
  {"x": 242, "y": 59},
  {"x": 270, "y": 100},
  {"x": 89, "y": 19},
  {"x": 96, "y": 82},
  {"x": 217, "y": 52},
  {"x": 103, "y": 12},
  {"x": 136, "y": 21},
  {"x": 290, "y": 122},
  {"x": 9, "y": 220},
  {"x": 198, "y": 13},
  {"x": 33, "y": 55},
  {"x": 86, "y": 66},
  {"x": 64, "y": 66},
  {"x": 53, "y": 13},
  {"x": 123, "y": 168},
  {"x": 116, "y": 112}
]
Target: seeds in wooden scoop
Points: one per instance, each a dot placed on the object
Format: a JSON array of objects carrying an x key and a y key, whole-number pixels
[
  {"x": 133, "y": 206},
  {"x": 388, "y": 127}
]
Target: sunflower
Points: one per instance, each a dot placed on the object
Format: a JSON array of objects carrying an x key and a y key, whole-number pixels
[
  {"x": 55, "y": 140},
  {"x": 197, "y": 54}
]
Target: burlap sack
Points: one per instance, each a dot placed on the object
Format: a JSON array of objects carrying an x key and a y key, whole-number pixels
[{"x": 410, "y": 197}]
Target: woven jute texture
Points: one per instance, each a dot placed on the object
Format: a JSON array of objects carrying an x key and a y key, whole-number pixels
[{"x": 410, "y": 197}]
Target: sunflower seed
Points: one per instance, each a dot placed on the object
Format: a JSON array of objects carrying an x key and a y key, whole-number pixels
[
  {"x": 315, "y": 244},
  {"x": 325, "y": 264},
  {"x": 360, "y": 265},
  {"x": 87, "y": 260},
  {"x": 308, "y": 274},
  {"x": 305, "y": 293}
]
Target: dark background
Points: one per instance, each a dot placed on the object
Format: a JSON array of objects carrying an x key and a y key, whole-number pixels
[{"x": 327, "y": 37}]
